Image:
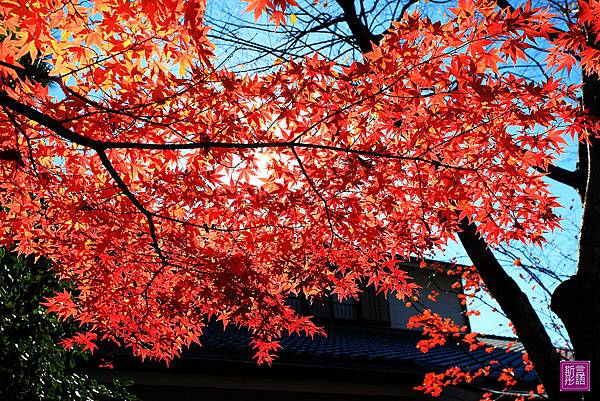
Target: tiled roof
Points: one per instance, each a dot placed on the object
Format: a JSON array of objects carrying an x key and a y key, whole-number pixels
[{"x": 355, "y": 346}]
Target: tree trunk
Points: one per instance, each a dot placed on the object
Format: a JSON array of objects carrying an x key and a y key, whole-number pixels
[
  {"x": 515, "y": 304},
  {"x": 577, "y": 300}
]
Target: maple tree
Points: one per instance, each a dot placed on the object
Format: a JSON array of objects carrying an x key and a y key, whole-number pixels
[{"x": 170, "y": 189}]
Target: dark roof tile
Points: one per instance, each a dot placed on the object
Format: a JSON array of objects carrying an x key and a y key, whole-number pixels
[{"x": 393, "y": 346}]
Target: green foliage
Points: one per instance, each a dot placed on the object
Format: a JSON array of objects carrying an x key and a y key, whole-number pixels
[{"x": 32, "y": 365}]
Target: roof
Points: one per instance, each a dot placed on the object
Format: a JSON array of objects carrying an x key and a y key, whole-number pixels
[{"x": 385, "y": 349}]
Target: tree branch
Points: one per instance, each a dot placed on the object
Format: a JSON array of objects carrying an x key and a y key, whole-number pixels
[
  {"x": 48, "y": 122},
  {"x": 505, "y": 4},
  {"x": 72, "y": 136},
  {"x": 362, "y": 36},
  {"x": 319, "y": 194},
  {"x": 564, "y": 176}
]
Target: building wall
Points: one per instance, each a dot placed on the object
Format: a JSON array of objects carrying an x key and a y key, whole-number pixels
[
  {"x": 447, "y": 304},
  {"x": 177, "y": 386}
]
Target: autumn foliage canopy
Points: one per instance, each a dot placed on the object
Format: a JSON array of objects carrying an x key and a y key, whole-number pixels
[{"x": 170, "y": 190}]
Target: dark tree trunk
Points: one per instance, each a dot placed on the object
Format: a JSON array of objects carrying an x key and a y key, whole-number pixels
[
  {"x": 516, "y": 306},
  {"x": 577, "y": 300}
]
